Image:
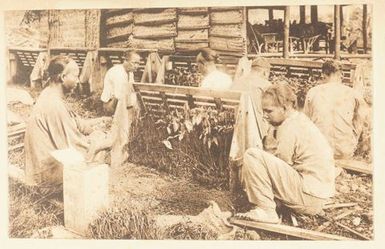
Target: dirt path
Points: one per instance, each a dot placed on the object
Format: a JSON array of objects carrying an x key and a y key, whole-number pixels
[{"x": 143, "y": 187}]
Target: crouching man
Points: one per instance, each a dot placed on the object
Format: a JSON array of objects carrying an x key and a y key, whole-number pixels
[{"x": 299, "y": 172}]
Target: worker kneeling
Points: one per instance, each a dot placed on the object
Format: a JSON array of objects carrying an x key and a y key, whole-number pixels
[{"x": 299, "y": 171}]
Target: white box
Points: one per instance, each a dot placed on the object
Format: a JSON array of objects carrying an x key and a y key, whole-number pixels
[{"x": 85, "y": 192}]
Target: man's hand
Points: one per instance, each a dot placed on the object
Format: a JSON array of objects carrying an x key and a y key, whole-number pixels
[{"x": 110, "y": 106}]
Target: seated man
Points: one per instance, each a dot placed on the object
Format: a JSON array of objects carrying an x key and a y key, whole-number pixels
[
  {"x": 115, "y": 80},
  {"x": 53, "y": 126},
  {"x": 337, "y": 110},
  {"x": 300, "y": 173}
]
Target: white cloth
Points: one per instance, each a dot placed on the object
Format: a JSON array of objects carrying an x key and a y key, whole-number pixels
[
  {"x": 114, "y": 81},
  {"x": 339, "y": 112},
  {"x": 217, "y": 80}
]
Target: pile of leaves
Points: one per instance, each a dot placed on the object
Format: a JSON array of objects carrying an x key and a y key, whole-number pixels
[
  {"x": 190, "y": 143},
  {"x": 123, "y": 223},
  {"x": 190, "y": 231},
  {"x": 184, "y": 76}
]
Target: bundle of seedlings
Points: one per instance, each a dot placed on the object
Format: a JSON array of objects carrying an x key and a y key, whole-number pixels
[
  {"x": 123, "y": 223},
  {"x": 188, "y": 230},
  {"x": 184, "y": 76},
  {"x": 33, "y": 208},
  {"x": 192, "y": 143}
]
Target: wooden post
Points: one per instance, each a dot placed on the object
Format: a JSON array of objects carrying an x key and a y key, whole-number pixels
[
  {"x": 364, "y": 27},
  {"x": 92, "y": 24},
  {"x": 302, "y": 14},
  {"x": 271, "y": 14},
  {"x": 337, "y": 32},
  {"x": 314, "y": 21},
  {"x": 286, "y": 33}
]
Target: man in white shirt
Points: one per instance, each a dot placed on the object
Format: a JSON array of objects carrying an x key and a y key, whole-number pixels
[
  {"x": 299, "y": 172},
  {"x": 120, "y": 100},
  {"x": 337, "y": 110},
  {"x": 213, "y": 78},
  {"x": 115, "y": 80}
]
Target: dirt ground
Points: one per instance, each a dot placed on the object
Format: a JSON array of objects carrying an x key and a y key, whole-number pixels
[{"x": 141, "y": 187}]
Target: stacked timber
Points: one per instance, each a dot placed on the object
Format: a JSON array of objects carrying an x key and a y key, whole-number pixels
[
  {"x": 226, "y": 30},
  {"x": 154, "y": 29},
  {"x": 193, "y": 25},
  {"x": 118, "y": 26}
]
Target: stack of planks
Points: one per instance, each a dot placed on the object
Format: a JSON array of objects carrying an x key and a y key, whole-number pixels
[
  {"x": 118, "y": 26},
  {"x": 154, "y": 29},
  {"x": 226, "y": 32},
  {"x": 193, "y": 26}
]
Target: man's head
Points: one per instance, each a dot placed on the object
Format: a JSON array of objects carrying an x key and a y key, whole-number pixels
[
  {"x": 277, "y": 102},
  {"x": 205, "y": 58},
  {"x": 64, "y": 70},
  {"x": 131, "y": 61},
  {"x": 332, "y": 68},
  {"x": 262, "y": 66}
]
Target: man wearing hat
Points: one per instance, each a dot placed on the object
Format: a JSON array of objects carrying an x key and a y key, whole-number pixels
[{"x": 337, "y": 110}]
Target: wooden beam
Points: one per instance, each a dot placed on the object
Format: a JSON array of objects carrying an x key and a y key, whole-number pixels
[
  {"x": 194, "y": 91},
  {"x": 287, "y": 230},
  {"x": 286, "y": 29},
  {"x": 314, "y": 21},
  {"x": 364, "y": 27},
  {"x": 302, "y": 14},
  {"x": 356, "y": 166},
  {"x": 337, "y": 32},
  {"x": 314, "y": 14},
  {"x": 271, "y": 14}
]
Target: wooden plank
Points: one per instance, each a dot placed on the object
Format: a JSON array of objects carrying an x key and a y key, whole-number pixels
[
  {"x": 188, "y": 90},
  {"x": 120, "y": 50},
  {"x": 160, "y": 31},
  {"x": 15, "y": 147},
  {"x": 188, "y": 21},
  {"x": 126, "y": 18},
  {"x": 24, "y": 49},
  {"x": 193, "y": 27},
  {"x": 226, "y": 17},
  {"x": 231, "y": 30},
  {"x": 337, "y": 32},
  {"x": 288, "y": 230},
  {"x": 356, "y": 166},
  {"x": 193, "y": 35},
  {"x": 227, "y": 44},
  {"x": 193, "y": 11}
]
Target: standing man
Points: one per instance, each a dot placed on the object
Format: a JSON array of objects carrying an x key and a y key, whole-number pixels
[
  {"x": 253, "y": 85},
  {"x": 116, "y": 78},
  {"x": 120, "y": 99},
  {"x": 299, "y": 173},
  {"x": 337, "y": 110}
]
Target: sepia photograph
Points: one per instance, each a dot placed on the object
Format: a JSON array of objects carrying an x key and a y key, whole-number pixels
[{"x": 239, "y": 122}]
